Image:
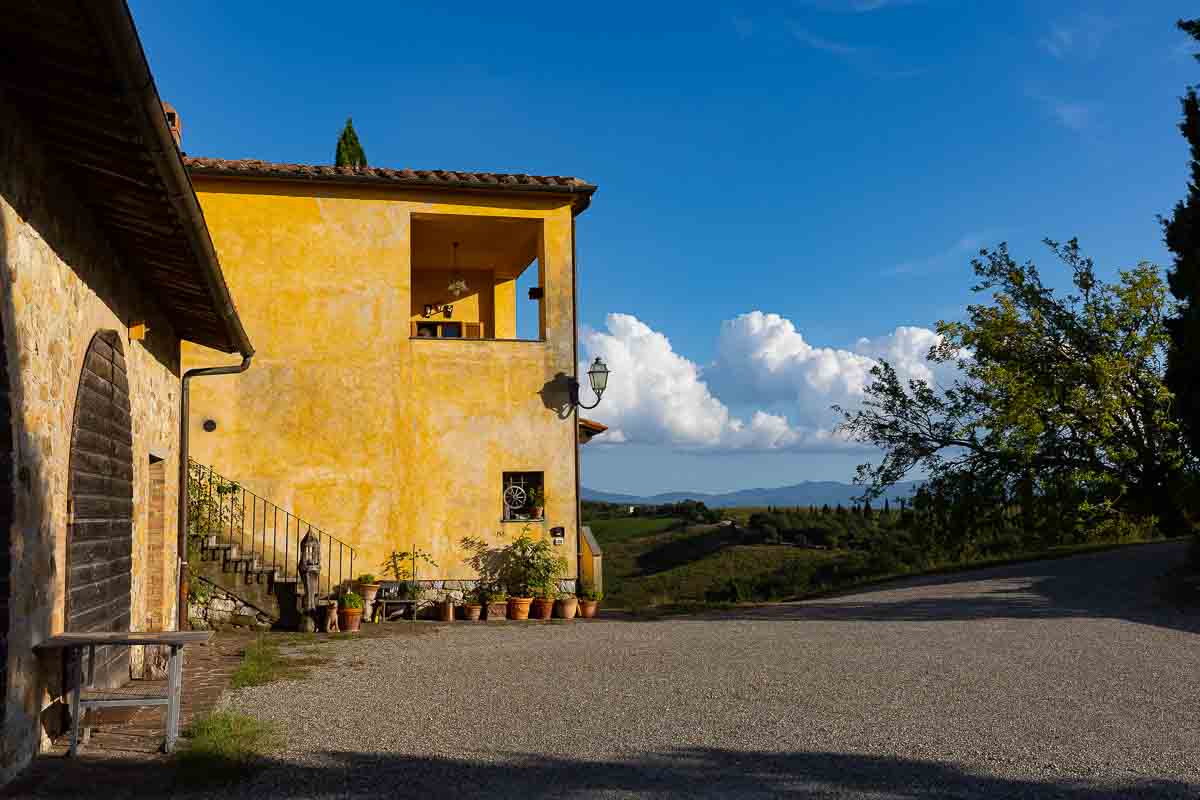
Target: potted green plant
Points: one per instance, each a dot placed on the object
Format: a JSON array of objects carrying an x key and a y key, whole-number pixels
[
  {"x": 537, "y": 502},
  {"x": 495, "y": 602},
  {"x": 368, "y": 587},
  {"x": 350, "y": 611},
  {"x": 472, "y": 607},
  {"x": 528, "y": 565},
  {"x": 589, "y": 601},
  {"x": 543, "y": 602},
  {"x": 565, "y": 606},
  {"x": 407, "y": 594},
  {"x": 401, "y": 565}
]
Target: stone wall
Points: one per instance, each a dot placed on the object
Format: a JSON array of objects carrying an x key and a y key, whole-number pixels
[
  {"x": 212, "y": 608},
  {"x": 60, "y": 284}
]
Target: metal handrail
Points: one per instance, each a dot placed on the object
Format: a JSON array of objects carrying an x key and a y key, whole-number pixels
[{"x": 218, "y": 507}]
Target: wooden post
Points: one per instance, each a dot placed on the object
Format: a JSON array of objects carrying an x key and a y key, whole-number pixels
[
  {"x": 174, "y": 690},
  {"x": 75, "y": 655}
]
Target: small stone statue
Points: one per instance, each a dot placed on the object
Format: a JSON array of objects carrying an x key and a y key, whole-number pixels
[{"x": 309, "y": 570}]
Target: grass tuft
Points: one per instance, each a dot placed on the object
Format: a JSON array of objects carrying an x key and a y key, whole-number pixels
[
  {"x": 225, "y": 746},
  {"x": 263, "y": 663}
]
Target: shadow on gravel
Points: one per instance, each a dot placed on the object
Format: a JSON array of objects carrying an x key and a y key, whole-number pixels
[
  {"x": 1115, "y": 584},
  {"x": 680, "y": 773}
]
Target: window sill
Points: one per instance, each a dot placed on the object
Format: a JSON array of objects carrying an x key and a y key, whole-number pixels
[
  {"x": 521, "y": 521},
  {"x": 473, "y": 339}
]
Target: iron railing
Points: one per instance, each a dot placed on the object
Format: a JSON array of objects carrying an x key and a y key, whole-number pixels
[{"x": 227, "y": 510}]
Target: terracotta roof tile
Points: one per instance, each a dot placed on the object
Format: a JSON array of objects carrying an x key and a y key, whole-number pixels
[{"x": 252, "y": 168}]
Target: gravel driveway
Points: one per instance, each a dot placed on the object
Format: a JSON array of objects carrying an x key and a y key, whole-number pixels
[{"x": 1051, "y": 679}]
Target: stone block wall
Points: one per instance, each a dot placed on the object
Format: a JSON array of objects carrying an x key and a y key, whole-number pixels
[
  {"x": 213, "y": 608},
  {"x": 60, "y": 283}
]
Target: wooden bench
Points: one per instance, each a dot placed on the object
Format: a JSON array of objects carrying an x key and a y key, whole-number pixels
[{"x": 75, "y": 643}]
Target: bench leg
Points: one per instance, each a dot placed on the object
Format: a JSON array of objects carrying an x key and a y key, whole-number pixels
[
  {"x": 75, "y": 655},
  {"x": 174, "y": 691}
]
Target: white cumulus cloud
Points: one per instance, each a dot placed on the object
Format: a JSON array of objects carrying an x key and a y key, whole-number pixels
[{"x": 782, "y": 386}]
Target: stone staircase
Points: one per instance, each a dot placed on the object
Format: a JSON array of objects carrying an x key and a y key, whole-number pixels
[{"x": 244, "y": 551}]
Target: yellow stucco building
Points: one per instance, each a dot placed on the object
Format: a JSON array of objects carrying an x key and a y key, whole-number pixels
[{"x": 390, "y": 401}]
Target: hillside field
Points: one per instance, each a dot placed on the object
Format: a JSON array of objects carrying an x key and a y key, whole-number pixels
[
  {"x": 650, "y": 562},
  {"x": 665, "y": 561}
]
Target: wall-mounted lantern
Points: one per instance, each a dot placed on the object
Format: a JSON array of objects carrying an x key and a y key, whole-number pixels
[{"x": 597, "y": 377}]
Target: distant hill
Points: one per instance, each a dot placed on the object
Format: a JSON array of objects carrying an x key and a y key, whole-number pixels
[{"x": 808, "y": 493}]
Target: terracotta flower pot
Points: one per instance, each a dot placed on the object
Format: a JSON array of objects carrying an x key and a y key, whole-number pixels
[
  {"x": 565, "y": 608},
  {"x": 368, "y": 592},
  {"x": 471, "y": 611},
  {"x": 518, "y": 607},
  {"x": 445, "y": 611},
  {"x": 588, "y": 608},
  {"x": 497, "y": 611},
  {"x": 542, "y": 608},
  {"x": 349, "y": 619}
]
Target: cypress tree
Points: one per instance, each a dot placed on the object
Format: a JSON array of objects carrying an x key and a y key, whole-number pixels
[
  {"x": 1183, "y": 239},
  {"x": 349, "y": 151}
]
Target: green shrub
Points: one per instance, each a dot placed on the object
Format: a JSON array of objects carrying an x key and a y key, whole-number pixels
[
  {"x": 365, "y": 579},
  {"x": 350, "y": 600},
  {"x": 530, "y": 565},
  {"x": 732, "y": 590}
]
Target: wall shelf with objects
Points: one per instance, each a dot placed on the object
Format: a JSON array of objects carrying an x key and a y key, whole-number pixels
[{"x": 445, "y": 329}]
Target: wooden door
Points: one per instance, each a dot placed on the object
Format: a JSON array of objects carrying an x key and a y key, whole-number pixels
[{"x": 100, "y": 534}]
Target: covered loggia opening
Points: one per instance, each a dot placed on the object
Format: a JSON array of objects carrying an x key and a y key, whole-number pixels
[
  {"x": 99, "y": 570},
  {"x": 477, "y": 277}
]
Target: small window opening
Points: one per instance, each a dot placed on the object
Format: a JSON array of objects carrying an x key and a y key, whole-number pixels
[{"x": 524, "y": 497}]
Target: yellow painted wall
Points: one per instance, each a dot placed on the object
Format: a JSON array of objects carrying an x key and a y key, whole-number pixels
[{"x": 382, "y": 440}]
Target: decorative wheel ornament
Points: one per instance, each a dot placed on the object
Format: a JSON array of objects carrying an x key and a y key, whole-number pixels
[{"x": 515, "y": 498}]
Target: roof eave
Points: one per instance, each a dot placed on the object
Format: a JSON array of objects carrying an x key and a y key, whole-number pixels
[
  {"x": 580, "y": 194},
  {"x": 116, "y": 27}
]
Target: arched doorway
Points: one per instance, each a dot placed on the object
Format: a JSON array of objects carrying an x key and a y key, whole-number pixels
[{"x": 100, "y": 534}]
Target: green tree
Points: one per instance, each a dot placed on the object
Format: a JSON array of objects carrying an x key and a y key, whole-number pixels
[
  {"x": 1059, "y": 403},
  {"x": 1183, "y": 239},
  {"x": 349, "y": 151}
]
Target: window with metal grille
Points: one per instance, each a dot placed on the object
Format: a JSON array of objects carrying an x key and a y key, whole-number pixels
[{"x": 523, "y": 497}]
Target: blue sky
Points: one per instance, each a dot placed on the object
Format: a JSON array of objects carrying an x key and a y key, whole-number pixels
[{"x": 831, "y": 165}]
